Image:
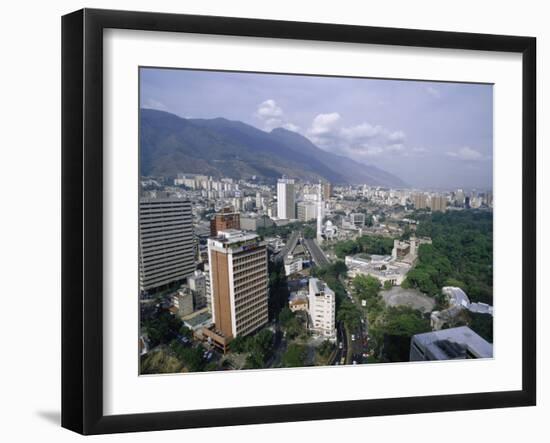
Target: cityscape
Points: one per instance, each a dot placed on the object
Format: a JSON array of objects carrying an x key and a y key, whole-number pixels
[{"x": 260, "y": 249}]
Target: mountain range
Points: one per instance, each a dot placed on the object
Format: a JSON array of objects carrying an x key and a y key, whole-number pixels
[{"x": 218, "y": 147}]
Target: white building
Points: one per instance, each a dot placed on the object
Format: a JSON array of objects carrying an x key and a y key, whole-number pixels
[
  {"x": 322, "y": 309},
  {"x": 197, "y": 284},
  {"x": 183, "y": 301},
  {"x": 307, "y": 210},
  {"x": 286, "y": 199},
  {"x": 166, "y": 244},
  {"x": 292, "y": 265}
]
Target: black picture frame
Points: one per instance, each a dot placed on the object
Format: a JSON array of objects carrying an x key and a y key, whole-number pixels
[{"x": 82, "y": 218}]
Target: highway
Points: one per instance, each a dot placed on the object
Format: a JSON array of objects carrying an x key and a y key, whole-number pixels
[
  {"x": 317, "y": 254},
  {"x": 289, "y": 246},
  {"x": 340, "y": 338}
]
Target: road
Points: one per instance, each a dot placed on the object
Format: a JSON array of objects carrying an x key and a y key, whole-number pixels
[
  {"x": 359, "y": 346},
  {"x": 316, "y": 253},
  {"x": 289, "y": 245},
  {"x": 341, "y": 338}
]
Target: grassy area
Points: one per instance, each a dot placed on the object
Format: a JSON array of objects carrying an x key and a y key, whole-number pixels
[{"x": 160, "y": 361}]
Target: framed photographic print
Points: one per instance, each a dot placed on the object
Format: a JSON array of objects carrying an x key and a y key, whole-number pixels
[{"x": 269, "y": 221}]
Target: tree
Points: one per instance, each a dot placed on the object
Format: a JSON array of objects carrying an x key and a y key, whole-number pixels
[
  {"x": 294, "y": 356},
  {"x": 388, "y": 285}
]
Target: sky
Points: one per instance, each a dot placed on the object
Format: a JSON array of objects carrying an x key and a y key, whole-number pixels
[{"x": 433, "y": 135}]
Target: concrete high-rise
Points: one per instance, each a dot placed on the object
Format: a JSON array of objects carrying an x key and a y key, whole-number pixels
[
  {"x": 227, "y": 218},
  {"x": 239, "y": 284},
  {"x": 166, "y": 243},
  {"x": 322, "y": 309},
  {"x": 320, "y": 216},
  {"x": 307, "y": 210},
  {"x": 438, "y": 203},
  {"x": 286, "y": 199}
]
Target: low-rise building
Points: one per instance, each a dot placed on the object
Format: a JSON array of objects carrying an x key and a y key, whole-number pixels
[
  {"x": 293, "y": 265},
  {"x": 449, "y": 344}
]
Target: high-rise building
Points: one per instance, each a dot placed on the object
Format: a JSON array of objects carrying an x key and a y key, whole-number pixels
[
  {"x": 438, "y": 203},
  {"x": 327, "y": 191},
  {"x": 307, "y": 210},
  {"x": 227, "y": 218},
  {"x": 166, "y": 243},
  {"x": 319, "y": 232},
  {"x": 286, "y": 201},
  {"x": 460, "y": 197},
  {"x": 239, "y": 284},
  {"x": 322, "y": 308},
  {"x": 420, "y": 201}
]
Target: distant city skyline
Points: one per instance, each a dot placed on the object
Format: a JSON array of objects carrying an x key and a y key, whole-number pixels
[{"x": 431, "y": 134}]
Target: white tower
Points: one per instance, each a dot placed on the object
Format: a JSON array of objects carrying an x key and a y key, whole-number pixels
[{"x": 320, "y": 215}]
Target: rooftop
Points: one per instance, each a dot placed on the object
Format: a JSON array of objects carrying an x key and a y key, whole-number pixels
[{"x": 442, "y": 344}]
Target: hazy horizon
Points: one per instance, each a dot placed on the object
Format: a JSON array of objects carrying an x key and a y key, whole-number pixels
[{"x": 431, "y": 134}]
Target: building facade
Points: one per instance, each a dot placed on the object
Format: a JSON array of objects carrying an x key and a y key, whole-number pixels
[
  {"x": 227, "y": 218},
  {"x": 438, "y": 203},
  {"x": 166, "y": 243},
  {"x": 197, "y": 285},
  {"x": 322, "y": 309},
  {"x": 286, "y": 199},
  {"x": 307, "y": 210},
  {"x": 239, "y": 285}
]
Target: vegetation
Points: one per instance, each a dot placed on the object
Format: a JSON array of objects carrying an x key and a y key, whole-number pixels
[
  {"x": 461, "y": 254},
  {"x": 482, "y": 324},
  {"x": 292, "y": 324},
  {"x": 159, "y": 361},
  {"x": 278, "y": 289},
  {"x": 371, "y": 244},
  {"x": 391, "y": 333},
  {"x": 285, "y": 230},
  {"x": 190, "y": 357},
  {"x": 162, "y": 328},
  {"x": 294, "y": 356},
  {"x": 258, "y": 347},
  {"x": 324, "y": 352}
]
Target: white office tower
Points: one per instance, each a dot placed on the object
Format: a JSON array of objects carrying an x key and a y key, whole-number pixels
[
  {"x": 286, "y": 204},
  {"x": 166, "y": 244},
  {"x": 320, "y": 216},
  {"x": 322, "y": 309}
]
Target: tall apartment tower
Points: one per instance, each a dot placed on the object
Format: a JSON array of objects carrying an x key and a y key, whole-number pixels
[
  {"x": 438, "y": 203},
  {"x": 320, "y": 216},
  {"x": 420, "y": 201},
  {"x": 327, "y": 190},
  {"x": 322, "y": 309},
  {"x": 239, "y": 285},
  {"x": 166, "y": 243},
  {"x": 286, "y": 202},
  {"x": 227, "y": 218}
]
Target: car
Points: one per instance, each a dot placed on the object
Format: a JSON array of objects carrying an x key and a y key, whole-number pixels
[
  {"x": 340, "y": 345},
  {"x": 352, "y": 337},
  {"x": 354, "y": 362}
]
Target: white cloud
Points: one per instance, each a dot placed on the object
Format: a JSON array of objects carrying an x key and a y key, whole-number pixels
[
  {"x": 324, "y": 123},
  {"x": 364, "y": 131},
  {"x": 273, "y": 116},
  {"x": 269, "y": 109},
  {"x": 151, "y": 103},
  {"x": 291, "y": 127},
  {"x": 433, "y": 92},
  {"x": 466, "y": 154}
]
